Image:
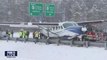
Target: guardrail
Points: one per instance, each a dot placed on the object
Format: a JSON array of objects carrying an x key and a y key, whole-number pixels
[{"x": 60, "y": 42}]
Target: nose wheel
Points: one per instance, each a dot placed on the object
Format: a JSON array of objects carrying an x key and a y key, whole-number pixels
[{"x": 76, "y": 39}]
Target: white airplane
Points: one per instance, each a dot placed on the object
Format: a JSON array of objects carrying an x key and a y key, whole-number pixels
[
  {"x": 64, "y": 29},
  {"x": 68, "y": 29}
]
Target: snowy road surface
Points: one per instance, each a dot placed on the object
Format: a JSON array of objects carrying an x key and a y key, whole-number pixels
[{"x": 40, "y": 51}]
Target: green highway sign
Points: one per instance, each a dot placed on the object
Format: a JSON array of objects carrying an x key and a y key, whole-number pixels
[
  {"x": 50, "y": 9},
  {"x": 35, "y": 9}
]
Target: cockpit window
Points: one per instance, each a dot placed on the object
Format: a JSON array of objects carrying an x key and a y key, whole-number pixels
[{"x": 69, "y": 24}]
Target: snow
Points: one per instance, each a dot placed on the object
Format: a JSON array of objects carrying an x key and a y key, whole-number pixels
[{"x": 41, "y": 51}]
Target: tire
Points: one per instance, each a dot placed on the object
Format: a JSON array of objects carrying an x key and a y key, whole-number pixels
[
  {"x": 42, "y": 36},
  {"x": 76, "y": 39}
]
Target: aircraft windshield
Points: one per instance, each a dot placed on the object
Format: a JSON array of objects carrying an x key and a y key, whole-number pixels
[{"x": 69, "y": 24}]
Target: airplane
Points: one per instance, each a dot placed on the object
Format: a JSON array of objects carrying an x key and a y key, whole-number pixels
[{"x": 68, "y": 29}]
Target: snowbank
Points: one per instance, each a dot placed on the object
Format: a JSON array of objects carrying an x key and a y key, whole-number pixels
[{"x": 40, "y": 51}]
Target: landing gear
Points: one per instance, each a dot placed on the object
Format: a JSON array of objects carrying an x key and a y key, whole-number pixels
[
  {"x": 76, "y": 39},
  {"x": 42, "y": 36}
]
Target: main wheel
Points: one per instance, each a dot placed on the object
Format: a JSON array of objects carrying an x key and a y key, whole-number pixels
[{"x": 42, "y": 36}]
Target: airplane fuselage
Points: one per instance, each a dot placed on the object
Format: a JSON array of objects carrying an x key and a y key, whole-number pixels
[{"x": 70, "y": 29}]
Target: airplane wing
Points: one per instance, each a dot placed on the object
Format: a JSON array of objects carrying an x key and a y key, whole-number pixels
[
  {"x": 94, "y": 21},
  {"x": 45, "y": 23},
  {"x": 27, "y": 24},
  {"x": 35, "y": 24},
  {"x": 81, "y": 22}
]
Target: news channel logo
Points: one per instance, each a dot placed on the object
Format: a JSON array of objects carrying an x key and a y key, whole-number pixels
[{"x": 11, "y": 54}]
